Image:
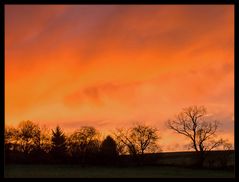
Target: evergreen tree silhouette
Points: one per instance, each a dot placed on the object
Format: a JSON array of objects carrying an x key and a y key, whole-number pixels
[
  {"x": 58, "y": 149},
  {"x": 109, "y": 150}
]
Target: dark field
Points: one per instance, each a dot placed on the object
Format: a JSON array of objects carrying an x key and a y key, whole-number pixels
[{"x": 64, "y": 171}]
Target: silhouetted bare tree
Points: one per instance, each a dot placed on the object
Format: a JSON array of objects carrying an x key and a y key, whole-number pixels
[
  {"x": 28, "y": 132},
  {"x": 43, "y": 139},
  {"x": 11, "y": 139},
  {"x": 138, "y": 139},
  {"x": 40, "y": 153},
  {"x": 192, "y": 123},
  {"x": 82, "y": 142}
]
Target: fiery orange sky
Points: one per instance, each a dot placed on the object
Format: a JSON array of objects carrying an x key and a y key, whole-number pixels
[{"x": 109, "y": 66}]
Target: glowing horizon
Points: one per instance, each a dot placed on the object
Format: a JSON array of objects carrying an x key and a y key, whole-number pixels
[{"x": 108, "y": 66}]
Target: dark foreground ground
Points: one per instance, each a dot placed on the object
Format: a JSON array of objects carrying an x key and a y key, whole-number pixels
[{"x": 64, "y": 171}]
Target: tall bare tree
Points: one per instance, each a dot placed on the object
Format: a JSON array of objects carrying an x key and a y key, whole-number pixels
[
  {"x": 11, "y": 139},
  {"x": 43, "y": 139},
  {"x": 83, "y": 141},
  {"x": 138, "y": 139},
  {"x": 28, "y": 132},
  {"x": 193, "y": 123}
]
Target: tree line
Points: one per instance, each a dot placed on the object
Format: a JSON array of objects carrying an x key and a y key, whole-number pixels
[{"x": 30, "y": 143}]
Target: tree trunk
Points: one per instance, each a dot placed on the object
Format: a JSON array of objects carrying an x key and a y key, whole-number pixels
[{"x": 200, "y": 157}]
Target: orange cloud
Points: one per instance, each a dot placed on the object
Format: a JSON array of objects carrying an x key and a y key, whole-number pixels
[{"x": 112, "y": 65}]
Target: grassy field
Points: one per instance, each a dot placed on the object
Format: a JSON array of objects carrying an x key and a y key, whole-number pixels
[{"x": 63, "y": 171}]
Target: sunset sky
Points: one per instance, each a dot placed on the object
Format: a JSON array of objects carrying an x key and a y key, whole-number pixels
[{"x": 109, "y": 66}]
